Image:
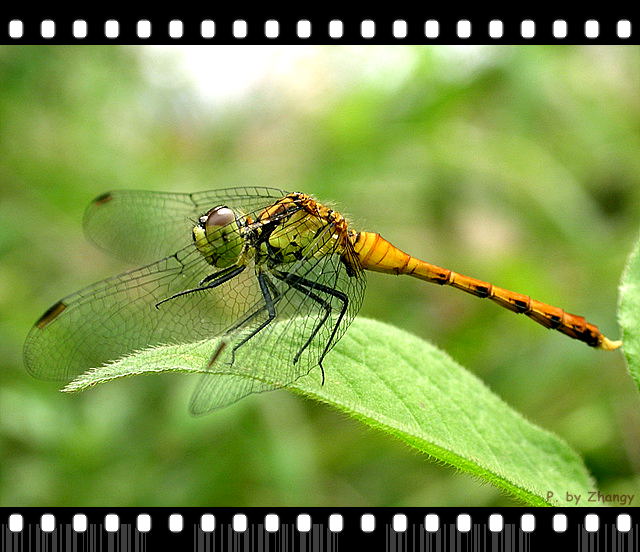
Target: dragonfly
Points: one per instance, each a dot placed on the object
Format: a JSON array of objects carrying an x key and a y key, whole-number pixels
[{"x": 276, "y": 276}]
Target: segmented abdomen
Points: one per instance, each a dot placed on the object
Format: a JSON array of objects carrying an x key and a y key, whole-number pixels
[{"x": 377, "y": 254}]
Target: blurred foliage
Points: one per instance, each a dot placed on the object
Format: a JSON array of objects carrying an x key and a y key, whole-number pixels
[
  {"x": 517, "y": 165},
  {"x": 629, "y": 312}
]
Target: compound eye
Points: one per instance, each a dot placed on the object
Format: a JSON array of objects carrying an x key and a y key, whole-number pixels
[{"x": 220, "y": 216}]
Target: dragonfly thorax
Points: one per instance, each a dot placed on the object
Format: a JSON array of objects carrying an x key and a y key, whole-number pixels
[
  {"x": 218, "y": 237},
  {"x": 294, "y": 238}
]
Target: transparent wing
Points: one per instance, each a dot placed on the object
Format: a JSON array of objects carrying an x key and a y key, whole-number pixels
[
  {"x": 142, "y": 226},
  {"x": 278, "y": 321},
  {"x": 315, "y": 300},
  {"x": 117, "y": 316}
]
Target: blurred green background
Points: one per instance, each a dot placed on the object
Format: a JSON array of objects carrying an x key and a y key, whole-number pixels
[{"x": 516, "y": 165}]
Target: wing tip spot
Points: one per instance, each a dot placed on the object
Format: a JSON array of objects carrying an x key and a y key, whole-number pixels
[
  {"x": 51, "y": 314},
  {"x": 103, "y": 198}
]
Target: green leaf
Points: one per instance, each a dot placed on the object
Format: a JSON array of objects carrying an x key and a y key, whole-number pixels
[
  {"x": 629, "y": 312},
  {"x": 399, "y": 384}
]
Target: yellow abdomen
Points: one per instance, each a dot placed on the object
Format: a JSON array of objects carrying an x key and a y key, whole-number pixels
[{"x": 377, "y": 254}]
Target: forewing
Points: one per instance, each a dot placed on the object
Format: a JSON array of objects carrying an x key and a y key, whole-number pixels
[
  {"x": 314, "y": 299},
  {"x": 117, "y": 316},
  {"x": 266, "y": 361},
  {"x": 142, "y": 226}
]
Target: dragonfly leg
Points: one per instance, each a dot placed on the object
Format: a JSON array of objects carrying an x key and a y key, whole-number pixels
[
  {"x": 269, "y": 305},
  {"x": 215, "y": 275},
  {"x": 307, "y": 285},
  {"x": 275, "y": 298},
  {"x": 220, "y": 278},
  {"x": 275, "y": 295},
  {"x": 325, "y": 305}
]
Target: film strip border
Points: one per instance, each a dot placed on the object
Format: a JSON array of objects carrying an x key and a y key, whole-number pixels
[
  {"x": 323, "y": 30},
  {"x": 311, "y": 529}
]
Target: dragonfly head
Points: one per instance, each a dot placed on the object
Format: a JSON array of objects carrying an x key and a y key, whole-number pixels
[{"x": 217, "y": 236}]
